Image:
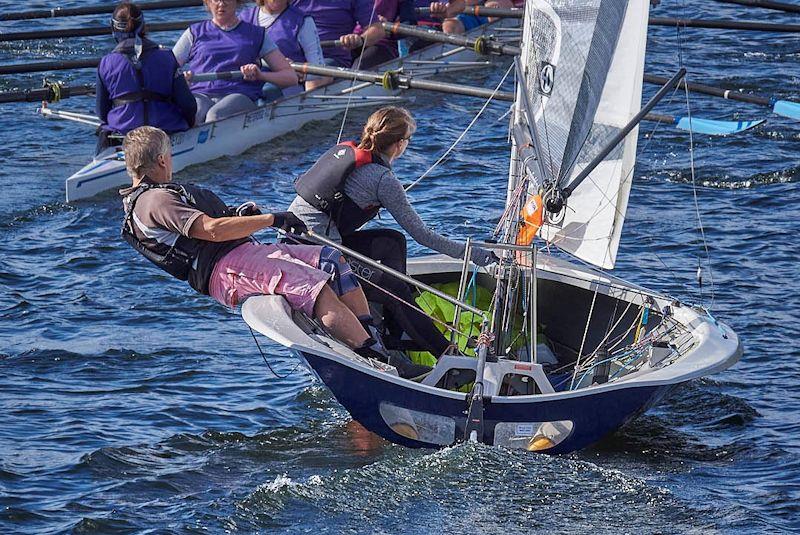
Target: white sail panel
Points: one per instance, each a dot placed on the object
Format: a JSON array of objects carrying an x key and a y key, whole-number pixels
[{"x": 592, "y": 223}]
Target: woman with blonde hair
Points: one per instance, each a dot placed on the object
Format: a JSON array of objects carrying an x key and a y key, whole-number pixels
[
  {"x": 345, "y": 189},
  {"x": 225, "y": 43}
]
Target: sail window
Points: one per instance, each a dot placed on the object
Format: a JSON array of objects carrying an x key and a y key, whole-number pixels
[
  {"x": 421, "y": 426},
  {"x": 532, "y": 436}
]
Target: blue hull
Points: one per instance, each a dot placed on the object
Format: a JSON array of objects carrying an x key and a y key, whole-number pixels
[{"x": 593, "y": 415}]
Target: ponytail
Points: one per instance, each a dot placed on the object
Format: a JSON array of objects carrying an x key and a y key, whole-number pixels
[{"x": 385, "y": 127}]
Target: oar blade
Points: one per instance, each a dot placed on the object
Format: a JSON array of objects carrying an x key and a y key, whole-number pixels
[
  {"x": 787, "y": 108},
  {"x": 713, "y": 127}
]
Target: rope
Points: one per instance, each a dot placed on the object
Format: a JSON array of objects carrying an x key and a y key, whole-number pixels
[
  {"x": 480, "y": 45},
  {"x": 679, "y": 38},
  {"x": 585, "y": 333},
  {"x": 54, "y": 89},
  {"x": 464, "y": 133},
  {"x": 263, "y": 356},
  {"x": 389, "y": 80},
  {"x": 697, "y": 208},
  {"x": 353, "y": 83}
]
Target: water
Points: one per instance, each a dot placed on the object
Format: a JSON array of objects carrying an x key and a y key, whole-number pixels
[{"x": 129, "y": 404}]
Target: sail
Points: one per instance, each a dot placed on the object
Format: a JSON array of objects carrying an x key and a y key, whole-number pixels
[{"x": 583, "y": 64}]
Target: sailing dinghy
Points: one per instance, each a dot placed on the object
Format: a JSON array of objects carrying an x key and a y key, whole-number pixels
[{"x": 565, "y": 353}]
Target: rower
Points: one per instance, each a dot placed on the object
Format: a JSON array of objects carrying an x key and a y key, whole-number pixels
[
  {"x": 345, "y": 189},
  {"x": 139, "y": 83},
  {"x": 293, "y": 32},
  {"x": 337, "y": 20},
  {"x": 464, "y": 22},
  {"x": 191, "y": 234},
  {"x": 226, "y": 43},
  {"x": 439, "y": 11}
]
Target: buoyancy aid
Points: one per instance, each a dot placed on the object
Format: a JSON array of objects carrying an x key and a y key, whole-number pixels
[
  {"x": 188, "y": 259},
  {"x": 140, "y": 88},
  {"x": 322, "y": 186}
]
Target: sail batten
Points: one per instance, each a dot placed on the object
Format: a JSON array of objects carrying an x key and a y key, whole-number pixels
[{"x": 583, "y": 62}]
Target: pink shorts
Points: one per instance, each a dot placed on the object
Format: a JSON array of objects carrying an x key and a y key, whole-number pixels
[{"x": 275, "y": 268}]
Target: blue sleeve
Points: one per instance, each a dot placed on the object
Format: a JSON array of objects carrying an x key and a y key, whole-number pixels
[
  {"x": 102, "y": 103},
  {"x": 183, "y": 98}
]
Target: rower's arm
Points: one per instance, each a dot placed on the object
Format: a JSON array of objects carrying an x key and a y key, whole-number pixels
[
  {"x": 280, "y": 70},
  {"x": 373, "y": 34},
  {"x": 219, "y": 229},
  {"x": 454, "y": 7}
]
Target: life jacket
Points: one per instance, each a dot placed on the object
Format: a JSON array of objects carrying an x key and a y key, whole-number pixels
[
  {"x": 322, "y": 186},
  {"x": 188, "y": 259},
  {"x": 141, "y": 88},
  {"x": 284, "y": 30}
]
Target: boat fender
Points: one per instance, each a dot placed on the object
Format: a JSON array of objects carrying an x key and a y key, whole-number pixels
[
  {"x": 187, "y": 259},
  {"x": 322, "y": 186}
]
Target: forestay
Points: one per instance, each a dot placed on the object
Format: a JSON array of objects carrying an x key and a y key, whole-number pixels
[{"x": 583, "y": 61}]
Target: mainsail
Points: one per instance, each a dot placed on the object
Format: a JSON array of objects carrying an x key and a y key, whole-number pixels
[{"x": 583, "y": 62}]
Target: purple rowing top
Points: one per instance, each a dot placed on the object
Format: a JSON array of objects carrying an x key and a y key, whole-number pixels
[
  {"x": 283, "y": 31},
  {"x": 215, "y": 50},
  {"x": 335, "y": 18}
]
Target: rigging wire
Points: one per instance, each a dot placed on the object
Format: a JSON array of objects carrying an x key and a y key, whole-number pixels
[
  {"x": 353, "y": 83},
  {"x": 701, "y": 229},
  {"x": 464, "y": 133}
]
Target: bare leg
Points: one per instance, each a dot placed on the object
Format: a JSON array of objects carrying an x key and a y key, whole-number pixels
[
  {"x": 355, "y": 298},
  {"x": 339, "y": 319}
]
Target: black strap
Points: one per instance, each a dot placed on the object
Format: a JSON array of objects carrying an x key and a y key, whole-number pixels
[
  {"x": 127, "y": 224},
  {"x": 140, "y": 96}
]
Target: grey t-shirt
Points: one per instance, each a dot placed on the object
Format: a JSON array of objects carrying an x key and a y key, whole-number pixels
[{"x": 161, "y": 214}]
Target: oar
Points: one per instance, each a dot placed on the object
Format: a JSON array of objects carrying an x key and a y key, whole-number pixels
[
  {"x": 766, "y": 4},
  {"x": 55, "y": 91},
  {"x": 657, "y": 21},
  {"x": 726, "y": 24},
  {"x": 90, "y": 31},
  {"x": 222, "y": 75},
  {"x": 481, "y": 45},
  {"x": 46, "y": 66},
  {"x": 51, "y": 92},
  {"x": 784, "y": 108},
  {"x": 392, "y": 80},
  {"x": 481, "y": 11},
  {"x": 710, "y": 127},
  {"x": 331, "y": 43},
  {"x": 93, "y": 10}
]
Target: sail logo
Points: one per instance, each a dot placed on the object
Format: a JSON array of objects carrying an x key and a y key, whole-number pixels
[
  {"x": 547, "y": 76},
  {"x": 338, "y": 155}
]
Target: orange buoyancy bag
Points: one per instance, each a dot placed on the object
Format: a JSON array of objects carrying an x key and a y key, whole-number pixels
[{"x": 532, "y": 215}]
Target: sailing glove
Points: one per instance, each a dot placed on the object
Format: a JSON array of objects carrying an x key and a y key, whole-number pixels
[
  {"x": 483, "y": 257},
  {"x": 288, "y": 222},
  {"x": 247, "y": 209}
]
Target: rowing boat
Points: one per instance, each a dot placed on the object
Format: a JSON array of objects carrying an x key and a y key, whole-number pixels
[{"x": 235, "y": 134}]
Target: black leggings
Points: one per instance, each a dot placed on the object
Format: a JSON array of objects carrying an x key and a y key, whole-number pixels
[
  {"x": 389, "y": 247},
  {"x": 372, "y": 56}
]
